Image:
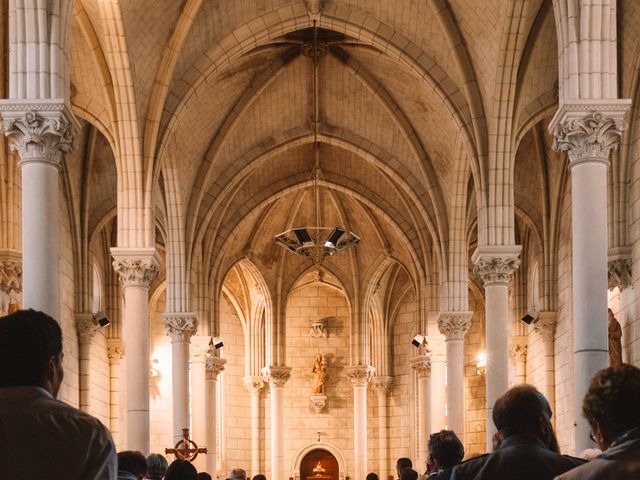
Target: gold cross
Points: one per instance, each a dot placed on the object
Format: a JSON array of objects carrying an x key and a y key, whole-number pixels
[{"x": 186, "y": 449}]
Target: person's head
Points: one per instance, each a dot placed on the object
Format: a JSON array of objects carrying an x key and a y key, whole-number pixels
[
  {"x": 204, "y": 476},
  {"x": 409, "y": 474},
  {"x": 372, "y": 476},
  {"x": 238, "y": 474},
  {"x": 611, "y": 403},
  {"x": 132, "y": 462},
  {"x": 181, "y": 470},
  {"x": 403, "y": 464},
  {"x": 524, "y": 410},
  {"x": 156, "y": 466},
  {"x": 30, "y": 351},
  {"x": 259, "y": 477},
  {"x": 445, "y": 449}
]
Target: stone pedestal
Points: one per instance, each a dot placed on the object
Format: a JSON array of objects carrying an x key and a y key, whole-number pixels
[{"x": 318, "y": 402}]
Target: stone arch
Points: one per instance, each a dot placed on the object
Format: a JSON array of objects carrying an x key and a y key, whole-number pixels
[{"x": 319, "y": 445}]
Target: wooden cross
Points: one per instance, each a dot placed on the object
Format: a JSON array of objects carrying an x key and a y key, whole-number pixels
[{"x": 185, "y": 449}]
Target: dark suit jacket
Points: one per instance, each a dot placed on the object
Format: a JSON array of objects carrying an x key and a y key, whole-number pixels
[{"x": 520, "y": 457}]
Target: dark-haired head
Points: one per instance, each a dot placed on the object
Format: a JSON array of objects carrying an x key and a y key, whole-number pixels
[
  {"x": 372, "y": 476},
  {"x": 181, "y": 470},
  {"x": 409, "y": 474},
  {"x": 204, "y": 476},
  {"x": 30, "y": 351},
  {"x": 132, "y": 462},
  {"x": 156, "y": 466},
  {"x": 445, "y": 449},
  {"x": 259, "y": 477}
]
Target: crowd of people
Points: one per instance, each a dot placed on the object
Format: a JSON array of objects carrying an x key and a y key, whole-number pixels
[{"x": 44, "y": 438}]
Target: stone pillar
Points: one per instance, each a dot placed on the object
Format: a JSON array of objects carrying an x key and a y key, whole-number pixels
[
  {"x": 39, "y": 133},
  {"x": 200, "y": 348},
  {"x": 136, "y": 268},
  {"x": 454, "y": 326},
  {"x": 382, "y": 386},
  {"x": 86, "y": 329},
  {"x": 255, "y": 385},
  {"x": 495, "y": 265},
  {"x": 180, "y": 326},
  {"x": 360, "y": 375},
  {"x": 277, "y": 377},
  {"x": 588, "y": 137},
  {"x": 115, "y": 352},
  {"x": 545, "y": 326},
  {"x": 213, "y": 367},
  {"x": 518, "y": 350},
  {"x": 437, "y": 384},
  {"x": 422, "y": 364}
]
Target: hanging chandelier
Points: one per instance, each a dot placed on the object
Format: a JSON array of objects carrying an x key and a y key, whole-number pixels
[{"x": 316, "y": 242}]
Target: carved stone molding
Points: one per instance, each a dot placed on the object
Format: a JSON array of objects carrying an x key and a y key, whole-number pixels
[
  {"x": 545, "y": 325},
  {"x": 381, "y": 385},
  {"x": 314, "y": 7},
  {"x": 254, "y": 384},
  {"x": 496, "y": 264},
  {"x": 422, "y": 364},
  {"x": 86, "y": 328},
  {"x": 360, "y": 375},
  {"x": 115, "y": 350},
  {"x": 318, "y": 329},
  {"x": 200, "y": 347},
  {"x": 518, "y": 348},
  {"x": 214, "y": 366},
  {"x": 180, "y": 326},
  {"x": 10, "y": 271},
  {"x": 38, "y": 131},
  {"x": 135, "y": 267},
  {"x": 454, "y": 325},
  {"x": 276, "y": 375},
  {"x": 619, "y": 273},
  {"x": 318, "y": 401}
]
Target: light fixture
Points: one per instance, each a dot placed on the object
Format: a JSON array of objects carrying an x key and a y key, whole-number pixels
[
  {"x": 529, "y": 317},
  {"x": 481, "y": 363},
  {"x": 100, "y": 319},
  {"x": 418, "y": 341},
  {"x": 316, "y": 242},
  {"x": 217, "y": 343}
]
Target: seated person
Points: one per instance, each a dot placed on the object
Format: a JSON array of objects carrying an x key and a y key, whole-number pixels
[
  {"x": 612, "y": 407},
  {"x": 403, "y": 464},
  {"x": 131, "y": 465},
  {"x": 528, "y": 449},
  {"x": 445, "y": 452}
]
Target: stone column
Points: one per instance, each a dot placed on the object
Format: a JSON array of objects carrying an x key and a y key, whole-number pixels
[
  {"x": 495, "y": 265},
  {"x": 454, "y": 326},
  {"x": 86, "y": 329},
  {"x": 437, "y": 384},
  {"x": 136, "y": 268},
  {"x": 518, "y": 350},
  {"x": 255, "y": 385},
  {"x": 382, "y": 387},
  {"x": 180, "y": 326},
  {"x": 115, "y": 352},
  {"x": 545, "y": 326},
  {"x": 200, "y": 348},
  {"x": 39, "y": 133},
  {"x": 213, "y": 366},
  {"x": 360, "y": 375},
  {"x": 588, "y": 137},
  {"x": 277, "y": 377},
  {"x": 422, "y": 364}
]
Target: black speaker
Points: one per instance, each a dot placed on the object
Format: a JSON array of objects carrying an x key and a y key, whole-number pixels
[{"x": 529, "y": 317}]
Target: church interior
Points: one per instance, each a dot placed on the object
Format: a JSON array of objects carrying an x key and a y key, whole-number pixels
[{"x": 314, "y": 232}]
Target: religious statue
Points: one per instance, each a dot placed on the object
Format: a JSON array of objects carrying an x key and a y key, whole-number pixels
[
  {"x": 319, "y": 374},
  {"x": 615, "y": 341}
]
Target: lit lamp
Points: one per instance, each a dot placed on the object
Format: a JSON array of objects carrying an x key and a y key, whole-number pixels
[{"x": 481, "y": 363}]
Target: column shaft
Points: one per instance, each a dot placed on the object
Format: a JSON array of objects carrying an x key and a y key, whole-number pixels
[
  {"x": 455, "y": 385},
  {"x": 277, "y": 376},
  {"x": 180, "y": 386},
  {"x": 360, "y": 376},
  {"x": 255, "y": 433},
  {"x": 115, "y": 352},
  {"x": 437, "y": 409},
  {"x": 382, "y": 386},
  {"x": 214, "y": 366}
]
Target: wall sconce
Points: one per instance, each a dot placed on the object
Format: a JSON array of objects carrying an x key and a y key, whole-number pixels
[{"x": 481, "y": 363}]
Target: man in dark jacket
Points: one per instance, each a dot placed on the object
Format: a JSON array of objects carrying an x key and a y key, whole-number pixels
[
  {"x": 528, "y": 449},
  {"x": 445, "y": 452}
]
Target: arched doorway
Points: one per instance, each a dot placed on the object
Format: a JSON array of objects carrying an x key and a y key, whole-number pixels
[{"x": 319, "y": 464}]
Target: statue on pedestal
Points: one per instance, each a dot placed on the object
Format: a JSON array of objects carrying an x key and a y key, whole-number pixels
[
  {"x": 615, "y": 341},
  {"x": 319, "y": 374}
]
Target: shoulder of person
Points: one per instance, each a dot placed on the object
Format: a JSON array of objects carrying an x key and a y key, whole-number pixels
[
  {"x": 577, "y": 461},
  {"x": 472, "y": 462}
]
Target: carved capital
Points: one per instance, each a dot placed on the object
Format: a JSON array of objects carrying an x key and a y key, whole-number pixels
[
  {"x": 180, "y": 326},
  {"x": 135, "y": 267},
  {"x": 115, "y": 350},
  {"x": 545, "y": 325},
  {"x": 591, "y": 137},
  {"x": 519, "y": 348},
  {"x": 10, "y": 271},
  {"x": 360, "y": 375},
  {"x": 454, "y": 325},
  {"x": 86, "y": 328},
  {"x": 276, "y": 375},
  {"x": 214, "y": 366},
  {"x": 421, "y": 364},
  {"x": 381, "y": 384},
  {"x": 318, "y": 402},
  {"x": 254, "y": 384},
  {"x": 619, "y": 272},
  {"x": 38, "y": 132},
  {"x": 200, "y": 347},
  {"x": 496, "y": 264}
]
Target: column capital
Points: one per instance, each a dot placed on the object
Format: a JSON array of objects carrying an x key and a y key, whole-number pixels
[
  {"x": 454, "y": 325},
  {"x": 495, "y": 264},
  {"x": 254, "y": 384},
  {"x": 115, "y": 350},
  {"x": 200, "y": 347},
  {"x": 180, "y": 326},
  {"x": 136, "y": 266},
  {"x": 360, "y": 375},
  {"x": 545, "y": 325},
  {"x": 214, "y": 366},
  {"x": 86, "y": 328},
  {"x": 589, "y": 129},
  {"x": 10, "y": 271},
  {"x": 381, "y": 384},
  {"x": 276, "y": 375},
  {"x": 619, "y": 268},
  {"x": 422, "y": 364},
  {"x": 518, "y": 348},
  {"x": 38, "y": 130}
]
